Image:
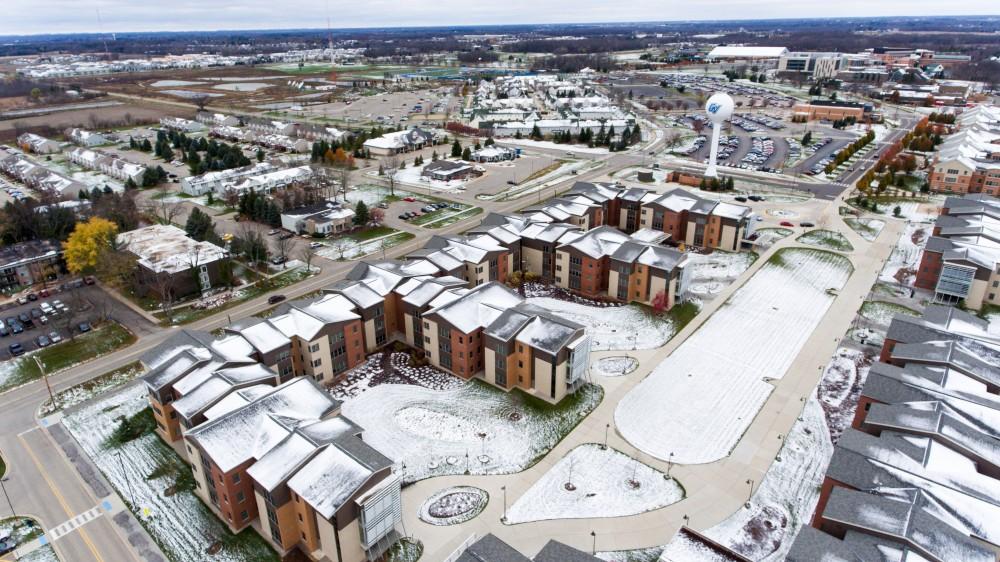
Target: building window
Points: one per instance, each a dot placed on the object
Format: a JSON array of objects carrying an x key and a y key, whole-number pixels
[
  {"x": 317, "y": 362},
  {"x": 240, "y": 497},
  {"x": 314, "y": 348},
  {"x": 236, "y": 479}
]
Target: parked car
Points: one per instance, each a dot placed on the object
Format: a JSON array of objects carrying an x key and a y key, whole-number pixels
[
  {"x": 409, "y": 199},
  {"x": 315, "y": 245},
  {"x": 43, "y": 341},
  {"x": 84, "y": 327},
  {"x": 89, "y": 280},
  {"x": 786, "y": 223},
  {"x": 403, "y": 217},
  {"x": 740, "y": 198},
  {"x": 32, "y": 297},
  {"x": 807, "y": 224},
  {"x": 44, "y": 293},
  {"x": 36, "y": 313},
  {"x": 43, "y": 319},
  {"x": 4, "y": 331},
  {"x": 24, "y": 319},
  {"x": 278, "y": 260},
  {"x": 16, "y": 328},
  {"x": 16, "y": 349},
  {"x": 275, "y": 299},
  {"x": 22, "y": 300},
  {"x": 383, "y": 205},
  {"x": 511, "y": 182},
  {"x": 429, "y": 209},
  {"x": 55, "y": 337}
]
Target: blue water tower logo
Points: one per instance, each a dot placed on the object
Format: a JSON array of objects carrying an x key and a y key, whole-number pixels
[{"x": 713, "y": 108}]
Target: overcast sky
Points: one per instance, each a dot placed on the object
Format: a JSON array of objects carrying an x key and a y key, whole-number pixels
[{"x": 60, "y": 16}]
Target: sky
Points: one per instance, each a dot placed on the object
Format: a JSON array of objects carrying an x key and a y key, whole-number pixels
[{"x": 24, "y": 17}]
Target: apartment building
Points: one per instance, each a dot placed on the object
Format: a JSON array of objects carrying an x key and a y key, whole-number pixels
[
  {"x": 85, "y": 138},
  {"x": 696, "y": 221},
  {"x": 478, "y": 259},
  {"x": 26, "y": 263},
  {"x": 961, "y": 260},
  {"x": 489, "y": 548},
  {"x": 108, "y": 164},
  {"x": 182, "y": 125},
  {"x": 169, "y": 264},
  {"x": 968, "y": 161},
  {"x": 218, "y": 181},
  {"x": 37, "y": 176},
  {"x": 217, "y": 119},
  {"x": 308, "y": 482},
  {"x": 30, "y": 142},
  {"x": 916, "y": 474}
]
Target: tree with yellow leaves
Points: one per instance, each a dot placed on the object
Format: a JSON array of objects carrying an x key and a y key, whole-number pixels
[{"x": 87, "y": 243}]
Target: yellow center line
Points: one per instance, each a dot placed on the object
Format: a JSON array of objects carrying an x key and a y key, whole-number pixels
[{"x": 59, "y": 496}]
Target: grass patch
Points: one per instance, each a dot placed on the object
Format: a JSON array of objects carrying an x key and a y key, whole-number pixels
[
  {"x": 133, "y": 427},
  {"x": 868, "y": 229},
  {"x": 826, "y": 239},
  {"x": 881, "y": 312},
  {"x": 189, "y": 314},
  {"x": 376, "y": 232},
  {"x": 539, "y": 173},
  {"x": 70, "y": 352},
  {"x": 88, "y": 389},
  {"x": 444, "y": 217}
]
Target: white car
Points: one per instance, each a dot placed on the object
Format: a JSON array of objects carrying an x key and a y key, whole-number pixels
[{"x": 315, "y": 245}]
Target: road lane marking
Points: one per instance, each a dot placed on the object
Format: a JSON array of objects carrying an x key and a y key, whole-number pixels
[{"x": 57, "y": 494}]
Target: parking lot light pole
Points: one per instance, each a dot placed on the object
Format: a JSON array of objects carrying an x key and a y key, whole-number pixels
[{"x": 45, "y": 377}]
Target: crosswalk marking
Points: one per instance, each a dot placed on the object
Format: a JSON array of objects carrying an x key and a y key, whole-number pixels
[{"x": 71, "y": 525}]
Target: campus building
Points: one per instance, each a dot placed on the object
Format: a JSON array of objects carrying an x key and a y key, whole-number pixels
[
  {"x": 969, "y": 160},
  {"x": 169, "y": 264},
  {"x": 961, "y": 261}
]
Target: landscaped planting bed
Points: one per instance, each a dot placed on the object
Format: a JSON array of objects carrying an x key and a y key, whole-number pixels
[
  {"x": 826, "y": 239},
  {"x": 452, "y": 506}
]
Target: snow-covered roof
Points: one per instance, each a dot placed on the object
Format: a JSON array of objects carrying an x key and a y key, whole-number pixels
[
  {"x": 166, "y": 248},
  {"x": 598, "y": 242},
  {"x": 328, "y": 480},
  {"x": 476, "y": 308}
]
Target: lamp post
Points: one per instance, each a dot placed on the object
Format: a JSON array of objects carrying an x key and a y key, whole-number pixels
[
  {"x": 750, "y": 494},
  {"x": 504, "y": 490},
  {"x": 687, "y": 520},
  {"x": 128, "y": 482},
  {"x": 670, "y": 464},
  {"x": 593, "y": 535},
  {"x": 606, "y": 428}
]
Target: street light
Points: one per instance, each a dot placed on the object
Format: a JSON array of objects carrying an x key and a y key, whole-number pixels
[
  {"x": 750, "y": 494},
  {"x": 128, "y": 483},
  {"x": 670, "y": 464},
  {"x": 606, "y": 428},
  {"x": 594, "y": 548},
  {"x": 504, "y": 490}
]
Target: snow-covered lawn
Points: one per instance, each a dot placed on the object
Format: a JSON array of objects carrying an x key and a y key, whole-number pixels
[
  {"x": 592, "y": 482},
  {"x": 352, "y": 249},
  {"x": 475, "y": 428},
  {"x": 786, "y": 497},
  {"x": 411, "y": 175},
  {"x": 782, "y": 213},
  {"x": 637, "y": 555},
  {"x": 19, "y": 530},
  {"x": 905, "y": 258},
  {"x": 768, "y": 236},
  {"x": 709, "y": 274},
  {"x": 85, "y": 391},
  {"x": 614, "y": 366},
  {"x": 452, "y": 506},
  {"x": 181, "y": 524},
  {"x": 699, "y": 401},
  {"x": 868, "y": 229},
  {"x": 371, "y": 374},
  {"x": 613, "y": 328},
  {"x": 915, "y": 211},
  {"x": 840, "y": 387},
  {"x": 881, "y": 313},
  {"x": 828, "y": 239}
]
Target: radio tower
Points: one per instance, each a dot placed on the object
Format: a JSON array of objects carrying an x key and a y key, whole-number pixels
[{"x": 104, "y": 38}]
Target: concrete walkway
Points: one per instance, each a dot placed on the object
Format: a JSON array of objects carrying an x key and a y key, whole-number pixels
[{"x": 714, "y": 490}]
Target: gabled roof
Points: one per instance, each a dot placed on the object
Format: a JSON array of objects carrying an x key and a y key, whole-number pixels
[{"x": 476, "y": 308}]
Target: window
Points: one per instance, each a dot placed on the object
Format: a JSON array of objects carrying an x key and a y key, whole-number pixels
[
  {"x": 236, "y": 479},
  {"x": 314, "y": 348},
  {"x": 241, "y": 497},
  {"x": 300, "y": 517},
  {"x": 317, "y": 362}
]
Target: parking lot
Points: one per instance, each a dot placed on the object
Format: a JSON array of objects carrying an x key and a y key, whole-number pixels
[
  {"x": 62, "y": 312},
  {"x": 396, "y": 108}
]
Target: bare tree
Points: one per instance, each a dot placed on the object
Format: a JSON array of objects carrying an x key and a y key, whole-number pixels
[
  {"x": 284, "y": 245},
  {"x": 306, "y": 254},
  {"x": 344, "y": 178},
  {"x": 390, "y": 167},
  {"x": 341, "y": 245},
  {"x": 163, "y": 285},
  {"x": 164, "y": 207}
]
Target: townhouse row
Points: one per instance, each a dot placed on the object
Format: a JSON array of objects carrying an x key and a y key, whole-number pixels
[
  {"x": 108, "y": 164},
  {"x": 969, "y": 160},
  {"x": 917, "y": 475},
  {"x": 961, "y": 261}
]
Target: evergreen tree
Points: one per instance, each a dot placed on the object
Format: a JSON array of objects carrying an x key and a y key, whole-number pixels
[
  {"x": 467, "y": 154},
  {"x": 260, "y": 154},
  {"x": 456, "y": 149},
  {"x": 361, "y": 213}
]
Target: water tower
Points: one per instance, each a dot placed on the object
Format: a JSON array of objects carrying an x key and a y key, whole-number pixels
[{"x": 719, "y": 108}]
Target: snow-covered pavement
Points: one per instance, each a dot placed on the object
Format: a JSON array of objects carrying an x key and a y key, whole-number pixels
[{"x": 698, "y": 402}]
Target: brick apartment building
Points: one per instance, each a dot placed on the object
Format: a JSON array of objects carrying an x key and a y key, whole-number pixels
[{"x": 916, "y": 471}]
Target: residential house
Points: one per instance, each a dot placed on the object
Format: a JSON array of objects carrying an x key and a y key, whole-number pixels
[
  {"x": 85, "y": 138},
  {"x": 182, "y": 125},
  {"x": 30, "y": 142},
  {"x": 448, "y": 170},
  {"x": 110, "y": 165}
]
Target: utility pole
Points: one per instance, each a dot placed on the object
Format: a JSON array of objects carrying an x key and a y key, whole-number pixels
[
  {"x": 11, "y": 505},
  {"x": 45, "y": 377},
  {"x": 128, "y": 482}
]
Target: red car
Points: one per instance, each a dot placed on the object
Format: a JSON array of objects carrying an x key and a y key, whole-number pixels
[
  {"x": 786, "y": 223},
  {"x": 409, "y": 199}
]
